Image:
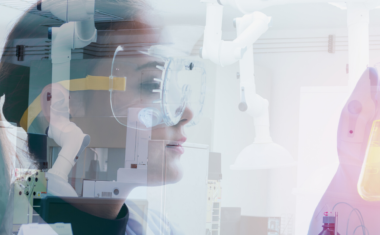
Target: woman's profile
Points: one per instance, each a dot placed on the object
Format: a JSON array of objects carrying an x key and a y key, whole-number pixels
[{"x": 119, "y": 108}]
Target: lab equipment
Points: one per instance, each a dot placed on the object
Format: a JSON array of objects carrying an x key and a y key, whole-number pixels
[
  {"x": 69, "y": 136},
  {"x": 357, "y": 22},
  {"x": 68, "y": 101},
  {"x": 335, "y": 215},
  {"x": 216, "y": 50},
  {"x": 29, "y": 188},
  {"x": 181, "y": 85},
  {"x": 225, "y": 53},
  {"x": 214, "y": 193},
  {"x": 329, "y": 225},
  {"x": 169, "y": 86},
  {"x": 78, "y": 32},
  {"x": 30, "y": 184},
  {"x": 262, "y": 153},
  {"x": 135, "y": 170},
  {"x": 369, "y": 179}
]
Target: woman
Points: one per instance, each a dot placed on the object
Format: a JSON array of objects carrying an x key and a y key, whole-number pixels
[{"x": 104, "y": 114}]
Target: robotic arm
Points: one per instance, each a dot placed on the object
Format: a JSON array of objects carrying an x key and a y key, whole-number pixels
[
  {"x": 249, "y": 28},
  {"x": 78, "y": 31}
]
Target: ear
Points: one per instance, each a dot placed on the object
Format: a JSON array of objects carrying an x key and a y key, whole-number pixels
[{"x": 54, "y": 97}]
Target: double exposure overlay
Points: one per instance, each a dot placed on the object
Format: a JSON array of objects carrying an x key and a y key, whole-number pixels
[{"x": 189, "y": 117}]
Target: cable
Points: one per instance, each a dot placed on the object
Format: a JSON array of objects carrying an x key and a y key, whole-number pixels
[
  {"x": 348, "y": 220},
  {"x": 358, "y": 213},
  {"x": 362, "y": 227}
]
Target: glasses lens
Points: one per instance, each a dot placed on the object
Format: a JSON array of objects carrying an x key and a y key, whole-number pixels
[
  {"x": 186, "y": 89},
  {"x": 159, "y": 90},
  {"x": 141, "y": 93}
]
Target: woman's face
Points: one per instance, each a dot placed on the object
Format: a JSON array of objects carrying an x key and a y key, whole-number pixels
[
  {"x": 165, "y": 146},
  {"x": 165, "y": 152},
  {"x": 140, "y": 70}
]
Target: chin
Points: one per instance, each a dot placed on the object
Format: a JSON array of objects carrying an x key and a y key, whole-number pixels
[{"x": 174, "y": 174}]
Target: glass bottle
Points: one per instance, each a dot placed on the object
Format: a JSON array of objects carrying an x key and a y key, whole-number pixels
[{"x": 369, "y": 180}]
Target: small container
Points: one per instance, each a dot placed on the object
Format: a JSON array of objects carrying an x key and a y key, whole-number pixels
[
  {"x": 369, "y": 180},
  {"x": 328, "y": 226}
]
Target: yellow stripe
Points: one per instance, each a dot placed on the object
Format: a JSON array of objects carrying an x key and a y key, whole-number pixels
[{"x": 97, "y": 83}]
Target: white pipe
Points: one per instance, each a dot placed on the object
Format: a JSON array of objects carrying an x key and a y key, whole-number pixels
[
  {"x": 228, "y": 52},
  {"x": 252, "y": 27},
  {"x": 357, "y": 21},
  {"x": 65, "y": 133},
  {"x": 62, "y": 43},
  {"x": 213, "y": 32},
  {"x": 85, "y": 33},
  {"x": 256, "y": 106},
  {"x": 358, "y": 41},
  {"x": 255, "y": 24}
]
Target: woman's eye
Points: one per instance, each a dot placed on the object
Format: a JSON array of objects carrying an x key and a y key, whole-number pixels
[{"x": 147, "y": 87}]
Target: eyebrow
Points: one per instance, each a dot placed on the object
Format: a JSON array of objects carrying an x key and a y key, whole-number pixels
[{"x": 151, "y": 64}]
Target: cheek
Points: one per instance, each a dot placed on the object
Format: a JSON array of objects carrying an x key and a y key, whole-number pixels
[
  {"x": 163, "y": 133},
  {"x": 174, "y": 171},
  {"x": 156, "y": 153}
]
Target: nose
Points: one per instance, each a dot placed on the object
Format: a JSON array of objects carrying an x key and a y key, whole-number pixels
[{"x": 187, "y": 116}]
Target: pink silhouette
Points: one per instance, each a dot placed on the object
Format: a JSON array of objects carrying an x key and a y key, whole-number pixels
[{"x": 355, "y": 215}]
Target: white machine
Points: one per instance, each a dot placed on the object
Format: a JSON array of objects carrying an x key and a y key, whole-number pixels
[
  {"x": 263, "y": 153},
  {"x": 136, "y": 164},
  {"x": 78, "y": 32}
]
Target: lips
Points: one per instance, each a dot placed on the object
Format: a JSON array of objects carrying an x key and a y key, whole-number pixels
[{"x": 176, "y": 146}]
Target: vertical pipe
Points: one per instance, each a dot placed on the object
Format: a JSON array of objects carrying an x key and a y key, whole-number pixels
[
  {"x": 247, "y": 76},
  {"x": 358, "y": 41},
  {"x": 257, "y": 106},
  {"x": 213, "y": 32}
]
